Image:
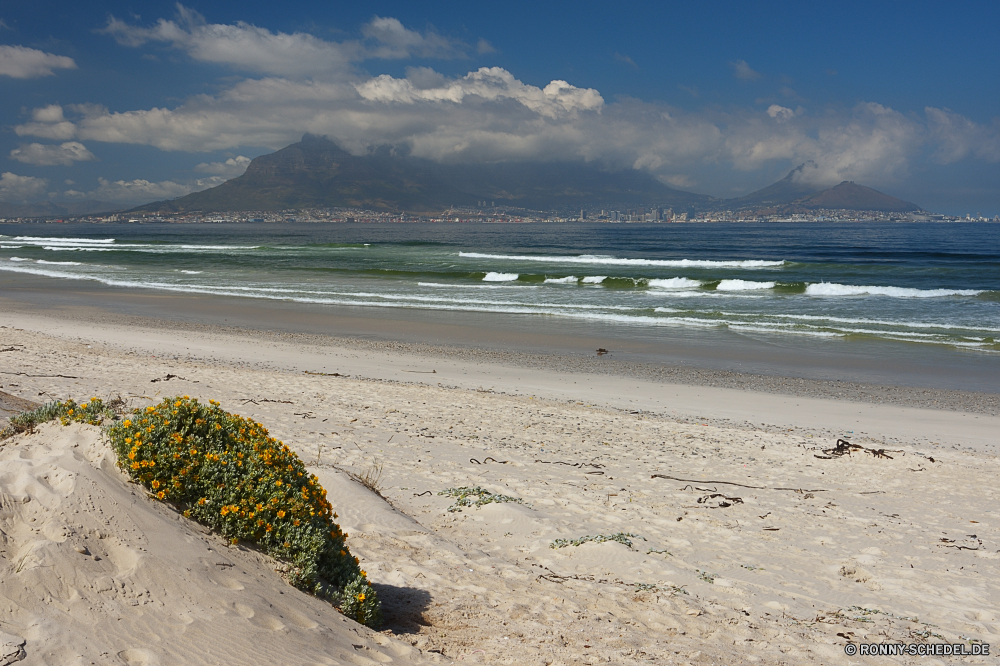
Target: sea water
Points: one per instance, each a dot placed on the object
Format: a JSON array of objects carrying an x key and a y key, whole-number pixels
[{"x": 934, "y": 284}]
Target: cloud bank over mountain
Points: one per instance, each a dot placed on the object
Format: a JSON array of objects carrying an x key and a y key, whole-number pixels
[{"x": 291, "y": 83}]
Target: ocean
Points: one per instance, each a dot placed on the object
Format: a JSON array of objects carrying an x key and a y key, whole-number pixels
[{"x": 922, "y": 284}]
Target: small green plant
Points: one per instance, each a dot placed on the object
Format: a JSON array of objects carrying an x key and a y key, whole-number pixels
[
  {"x": 620, "y": 537},
  {"x": 92, "y": 412},
  {"x": 357, "y": 601},
  {"x": 651, "y": 587},
  {"x": 464, "y": 497},
  {"x": 752, "y": 567},
  {"x": 707, "y": 577},
  {"x": 228, "y": 473},
  {"x": 658, "y": 552}
]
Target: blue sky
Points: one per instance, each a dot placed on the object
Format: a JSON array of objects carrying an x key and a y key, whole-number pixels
[{"x": 136, "y": 101}]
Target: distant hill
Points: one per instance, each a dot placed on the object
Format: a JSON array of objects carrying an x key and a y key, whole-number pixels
[
  {"x": 789, "y": 195},
  {"x": 784, "y": 192},
  {"x": 851, "y": 196},
  {"x": 317, "y": 173},
  {"x": 50, "y": 209}
]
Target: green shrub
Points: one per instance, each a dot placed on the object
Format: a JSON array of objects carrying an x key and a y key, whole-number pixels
[
  {"x": 226, "y": 472},
  {"x": 92, "y": 412}
]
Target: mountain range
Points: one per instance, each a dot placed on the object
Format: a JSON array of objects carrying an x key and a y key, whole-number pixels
[
  {"x": 317, "y": 173},
  {"x": 57, "y": 209}
]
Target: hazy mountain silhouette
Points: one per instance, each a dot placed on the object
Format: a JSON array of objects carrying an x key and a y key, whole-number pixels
[
  {"x": 317, "y": 173},
  {"x": 57, "y": 209},
  {"x": 791, "y": 194}
]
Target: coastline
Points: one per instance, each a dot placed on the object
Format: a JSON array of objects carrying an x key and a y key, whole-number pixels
[{"x": 752, "y": 544}]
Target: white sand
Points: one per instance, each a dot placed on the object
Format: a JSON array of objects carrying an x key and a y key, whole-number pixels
[{"x": 778, "y": 577}]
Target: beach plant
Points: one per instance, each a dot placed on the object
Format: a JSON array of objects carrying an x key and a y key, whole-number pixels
[
  {"x": 620, "y": 537},
  {"x": 477, "y": 497},
  {"x": 92, "y": 412},
  {"x": 228, "y": 473}
]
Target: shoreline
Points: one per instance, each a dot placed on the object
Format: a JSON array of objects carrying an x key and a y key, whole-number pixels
[
  {"x": 725, "y": 398},
  {"x": 752, "y": 544}
]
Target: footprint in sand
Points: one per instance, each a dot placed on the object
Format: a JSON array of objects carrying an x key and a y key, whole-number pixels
[
  {"x": 243, "y": 611},
  {"x": 138, "y": 657}
]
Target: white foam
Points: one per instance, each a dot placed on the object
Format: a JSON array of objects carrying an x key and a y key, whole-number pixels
[
  {"x": 571, "y": 279},
  {"x": 442, "y": 285},
  {"x": 595, "y": 279},
  {"x": 53, "y": 240},
  {"x": 19, "y": 259},
  {"x": 500, "y": 277},
  {"x": 834, "y": 289},
  {"x": 193, "y": 272},
  {"x": 58, "y": 263},
  {"x": 618, "y": 261},
  {"x": 743, "y": 285},
  {"x": 674, "y": 283},
  {"x": 11, "y": 247}
]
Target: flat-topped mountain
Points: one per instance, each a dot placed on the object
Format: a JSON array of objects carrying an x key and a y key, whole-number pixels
[{"x": 317, "y": 173}]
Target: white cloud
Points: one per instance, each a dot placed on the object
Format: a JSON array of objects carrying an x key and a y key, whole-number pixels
[
  {"x": 241, "y": 45},
  {"x": 50, "y": 155},
  {"x": 958, "y": 137},
  {"x": 396, "y": 41},
  {"x": 231, "y": 168},
  {"x": 21, "y": 189},
  {"x": 780, "y": 113},
  {"x": 487, "y": 83},
  {"x": 483, "y": 47},
  {"x": 490, "y": 115},
  {"x": 742, "y": 70},
  {"x": 299, "y": 54},
  {"x": 21, "y": 62},
  {"x": 48, "y": 122},
  {"x": 139, "y": 191}
]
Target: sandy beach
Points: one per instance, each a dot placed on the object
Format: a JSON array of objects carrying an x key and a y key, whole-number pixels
[{"x": 740, "y": 536}]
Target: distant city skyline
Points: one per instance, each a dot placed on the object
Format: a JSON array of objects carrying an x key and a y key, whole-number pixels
[{"x": 136, "y": 102}]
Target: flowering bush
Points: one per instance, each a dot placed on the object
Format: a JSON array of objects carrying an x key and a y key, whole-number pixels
[{"x": 226, "y": 472}]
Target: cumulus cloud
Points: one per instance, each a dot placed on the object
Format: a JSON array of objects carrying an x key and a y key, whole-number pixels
[
  {"x": 21, "y": 189},
  {"x": 487, "y": 83},
  {"x": 780, "y": 113},
  {"x": 240, "y": 45},
  {"x": 21, "y": 62},
  {"x": 50, "y": 155},
  {"x": 231, "y": 168},
  {"x": 742, "y": 70},
  {"x": 48, "y": 122},
  {"x": 251, "y": 48},
  {"x": 396, "y": 41}
]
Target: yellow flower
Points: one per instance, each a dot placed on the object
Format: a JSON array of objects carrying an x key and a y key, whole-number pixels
[
  {"x": 281, "y": 514},
  {"x": 161, "y": 495},
  {"x": 156, "y": 484},
  {"x": 127, "y": 423},
  {"x": 364, "y": 573},
  {"x": 361, "y": 597},
  {"x": 177, "y": 404}
]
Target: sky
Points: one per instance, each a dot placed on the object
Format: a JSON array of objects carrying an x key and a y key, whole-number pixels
[{"x": 130, "y": 102}]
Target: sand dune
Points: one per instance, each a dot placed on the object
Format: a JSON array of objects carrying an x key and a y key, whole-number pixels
[{"x": 751, "y": 545}]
